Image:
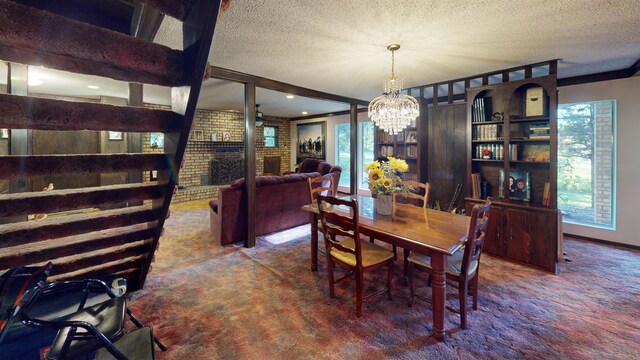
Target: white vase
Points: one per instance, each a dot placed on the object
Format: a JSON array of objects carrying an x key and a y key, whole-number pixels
[{"x": 384, "y": 204}]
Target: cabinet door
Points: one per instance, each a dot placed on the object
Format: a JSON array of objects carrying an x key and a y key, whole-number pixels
[
  {"x": 528, "y": 237},
  {"x": 493, "y": 243}
]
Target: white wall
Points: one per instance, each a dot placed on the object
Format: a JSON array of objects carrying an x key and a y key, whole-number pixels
[
  {"x": 331, "y": 135},
  {"x": 627, "y": 201}
]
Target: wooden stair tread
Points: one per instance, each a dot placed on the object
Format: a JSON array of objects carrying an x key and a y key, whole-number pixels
[
  {"x": 69, "y": 199},
  {"x": 24, "y": 112},
  {"x": 20, "y": 166},
  {"x": 38, "y": 230},
  {"x": 27, "y": 37},
  {"x": 74, "y": 245}
]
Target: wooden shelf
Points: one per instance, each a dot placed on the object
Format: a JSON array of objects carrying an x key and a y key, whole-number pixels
[{"x": 526, "y": 231}]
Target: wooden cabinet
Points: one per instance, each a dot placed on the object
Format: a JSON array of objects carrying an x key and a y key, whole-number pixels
[
  {"x": 512, "y": 156},
  {"x": 523, "y": 233}
]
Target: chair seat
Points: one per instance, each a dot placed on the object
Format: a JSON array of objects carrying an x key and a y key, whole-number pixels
[
  {"x": 453, "y": 267},
  {"x": 372, "y": 254},
  {"x": 107, "y": 316}
]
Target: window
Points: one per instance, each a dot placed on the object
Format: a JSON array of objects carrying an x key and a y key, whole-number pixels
[
  {"x": 586, "y": 163},
  {"x": 270, "y": 136},
  {"x": 343, "y": 152},
  {"x": 365, "y": 152}
]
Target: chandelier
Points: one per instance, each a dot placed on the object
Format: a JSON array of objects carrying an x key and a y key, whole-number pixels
[{"x": 393, "y": 111}]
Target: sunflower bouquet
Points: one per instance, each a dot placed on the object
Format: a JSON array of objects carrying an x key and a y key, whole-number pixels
[{"x": 384, "y": 175}]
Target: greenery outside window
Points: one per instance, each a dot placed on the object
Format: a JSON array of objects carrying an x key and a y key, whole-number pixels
[
  {"x": 365, "y": 152},
  {"x": 586, "y": 163},
  {"x": 270, "y": 136}
]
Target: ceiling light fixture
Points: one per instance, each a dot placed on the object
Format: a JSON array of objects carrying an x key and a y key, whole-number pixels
[
  {"x": 35, "y": 82},
  {"x": 393, "y": 111},
  {"x": 93, "y": 87},
  {"x": 304, "y": 113},
  {"x": 290, "y": 96}
]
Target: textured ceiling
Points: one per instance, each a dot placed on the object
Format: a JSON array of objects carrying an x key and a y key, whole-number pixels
[{"x": 340, "y": 46}]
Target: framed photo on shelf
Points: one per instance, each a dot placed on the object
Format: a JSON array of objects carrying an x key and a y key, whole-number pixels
[
  {"x": 226, "y": 136},
  {"x": 198, "y": 135},
  {"x": 4, "y": 133},
  {"x": 311, "y": 141},
  {"x": 115, "y": 135},
  {"x": 519, "y": 184}
]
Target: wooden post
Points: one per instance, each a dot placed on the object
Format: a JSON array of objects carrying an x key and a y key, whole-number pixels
[
  {"x": 250, "y": 160},
  {"x": 353, "y": 162}
]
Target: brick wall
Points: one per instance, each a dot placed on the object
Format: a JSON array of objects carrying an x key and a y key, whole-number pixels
[
  {"x": 199, "y": 153},
  {"x": 604, "y": 164}
]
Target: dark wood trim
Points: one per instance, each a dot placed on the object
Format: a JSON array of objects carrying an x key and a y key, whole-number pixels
[
  {"x": 528, "y": 71},
  {"x": 601, "y": 76},
  {"x": 329, "y": 114},
  {"x": 445, "y": 99},
  {"x": 450, "y": 93},
  {"x": 633, "y": 69},
  {"x": 599, "y": 241},
  {"x": 353, "y": 142},
  {"x": 250, "y": 161},
  {"x": 265, "y": 83}
]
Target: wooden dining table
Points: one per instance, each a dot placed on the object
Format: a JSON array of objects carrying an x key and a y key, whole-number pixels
[{"x": 435, "y": 233}]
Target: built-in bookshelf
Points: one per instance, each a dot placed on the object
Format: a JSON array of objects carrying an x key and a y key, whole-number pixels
[
  {"x": 404, "y": 145},
  {"x": 512, "y": 157}
]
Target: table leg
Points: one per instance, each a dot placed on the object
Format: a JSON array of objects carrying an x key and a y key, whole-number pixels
[
  {"x": 314, "y": 241},
  {"x": 438, "y": 286}
]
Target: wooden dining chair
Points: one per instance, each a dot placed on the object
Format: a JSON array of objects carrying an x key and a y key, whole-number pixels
[
  {"x": 419, "y": 194},
  {"x": 344, "y": 247},
  {"x": 463, "y": 266},
  {"x": 320, "y": 186}
]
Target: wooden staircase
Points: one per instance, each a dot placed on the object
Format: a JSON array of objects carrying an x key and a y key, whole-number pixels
[{"x": 123, "y": 238}]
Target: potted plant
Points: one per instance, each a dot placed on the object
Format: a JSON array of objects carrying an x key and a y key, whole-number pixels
[{"x": 383, "y": 181}]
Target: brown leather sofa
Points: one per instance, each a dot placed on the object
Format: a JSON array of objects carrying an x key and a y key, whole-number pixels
[{"x": 278, "y": 204}]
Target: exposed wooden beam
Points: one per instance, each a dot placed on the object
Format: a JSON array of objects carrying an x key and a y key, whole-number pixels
[
  {"x": 329, "y": 114},
  {"x": 635, "y": 68},
  {"x": 265, "y": 83},
  {"x": 602, "y": 76}
]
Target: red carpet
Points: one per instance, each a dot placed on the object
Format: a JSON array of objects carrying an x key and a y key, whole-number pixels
[{"x": 212, "y": 302}]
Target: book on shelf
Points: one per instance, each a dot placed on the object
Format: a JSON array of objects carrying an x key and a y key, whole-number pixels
[
  {"x": 487, "y": 132},
  {"x": 513, "y": 152},
  {"x": 476, "y": 191},
  {"x": 539, "y": 132},
  {"x": 546, "y": 194},
  {"x": 482, "y": 109},
  {"x": 400, "y": 136}
]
